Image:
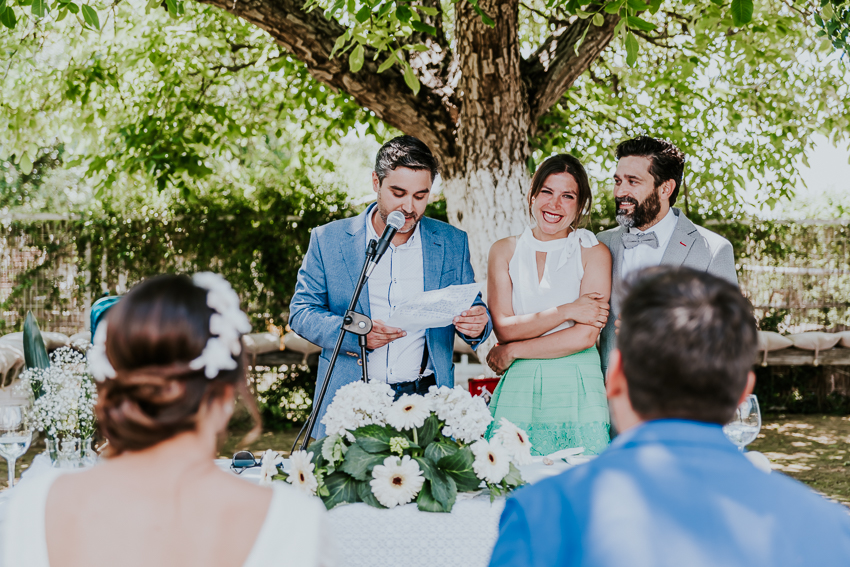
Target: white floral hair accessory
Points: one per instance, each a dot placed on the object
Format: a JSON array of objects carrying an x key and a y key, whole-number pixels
[
  {"x": 99, "y": 366},
  {"x": 227, "y": 324}
]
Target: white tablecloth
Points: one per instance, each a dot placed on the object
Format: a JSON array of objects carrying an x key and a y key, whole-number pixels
[{"x": 368, "y": 537}]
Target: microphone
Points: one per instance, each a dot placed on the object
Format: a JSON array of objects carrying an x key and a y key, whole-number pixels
[{"x": 395, "y": 221}]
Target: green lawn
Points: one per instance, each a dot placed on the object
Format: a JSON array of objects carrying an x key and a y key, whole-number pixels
[{"x": 814, "y": 449}]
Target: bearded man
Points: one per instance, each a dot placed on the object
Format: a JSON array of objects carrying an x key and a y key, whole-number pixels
[
  {"x": 425, "y": 254},
  {"x": 652, "y": 231}
]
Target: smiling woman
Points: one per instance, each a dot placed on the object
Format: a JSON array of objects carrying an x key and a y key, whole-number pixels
[{"x": 548, "y": 291}]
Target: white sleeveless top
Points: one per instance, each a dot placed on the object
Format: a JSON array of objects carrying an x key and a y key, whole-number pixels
[
  {"x": 294, "y": 531},
  {"x": 562, "y": 273}
]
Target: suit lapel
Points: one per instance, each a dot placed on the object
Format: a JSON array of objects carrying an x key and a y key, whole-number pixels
[
  {"x": 681, "y": 242},
  {"x": 432, "y": 254},
  {"x": 617, "y": 269},
  {"x": 353, "y": 251}
]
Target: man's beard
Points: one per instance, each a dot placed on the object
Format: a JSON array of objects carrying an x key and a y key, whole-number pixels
[
  {"x": 386, "y": 215},
  {"x": 642, "y": 214}
]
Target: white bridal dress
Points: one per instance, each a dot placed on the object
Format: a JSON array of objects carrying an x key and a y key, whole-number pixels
[{"x": 293, "y": 534}]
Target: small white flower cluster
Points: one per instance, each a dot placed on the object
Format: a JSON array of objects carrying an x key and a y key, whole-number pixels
[
  {"x": 268, "y": 466},
  {"x": 65, "y": 396},
  {"x": 408, "y": 412},
  {"x": 493, "y": 458},
  {"x": 466, "y": 417},
  {"x": 358, "y": 404},
  {"x": 227, "y": 324}
]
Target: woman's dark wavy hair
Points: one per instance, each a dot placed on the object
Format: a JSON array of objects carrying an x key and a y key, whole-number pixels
[
  {"x": 564, "y": 163},
  {"x": 153, "y": 334}
]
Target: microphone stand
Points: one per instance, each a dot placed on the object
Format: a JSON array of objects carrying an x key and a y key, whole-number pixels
[{"x": 355, "y": 323}]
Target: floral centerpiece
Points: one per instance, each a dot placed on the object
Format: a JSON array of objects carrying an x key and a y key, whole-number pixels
[
  {"x": 424, "y": 448},
  {"x": 63, "y": 410}
]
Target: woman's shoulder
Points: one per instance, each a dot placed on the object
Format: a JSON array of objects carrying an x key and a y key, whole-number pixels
[{"x": 503, "y": 248}]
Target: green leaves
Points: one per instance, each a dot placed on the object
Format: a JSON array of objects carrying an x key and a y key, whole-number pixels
[
  {"x": 38, "y": 8},
  {"x": 355, "y": 58},
  {"x": 459, "y": 467},
  {"x": 342, "y": 489},
  {"x": 632, "y": 48},
  {"x": 438, "y": 450},
  {"x": 373, "y": 438},
  {"x": 8, "y": 18},
  {"x": 411, "y": 79},
  {"x": 90, "y": 16},
  {"x": 742, "y": 11},
  {"x": 638, "y": 23},
  {"x": 359, "y": 464},
  {"x": 35, "y": 354}
]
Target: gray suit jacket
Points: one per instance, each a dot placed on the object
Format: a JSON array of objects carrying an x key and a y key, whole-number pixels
[{"x": 690, "y": 246}]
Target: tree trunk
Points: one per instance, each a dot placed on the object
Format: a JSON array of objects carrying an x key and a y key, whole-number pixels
[{"x": 485, "y": 182}]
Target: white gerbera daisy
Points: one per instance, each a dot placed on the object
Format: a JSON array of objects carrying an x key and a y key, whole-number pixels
[
  {"x": 301, "y": 472},
  {"x": 515, "y": 441},
  {"x": 408, "y": 412},
  {"x": 268, "y": 468},
  {"x": 492, "y": 461},
  {"x": 397, "y": 481}
]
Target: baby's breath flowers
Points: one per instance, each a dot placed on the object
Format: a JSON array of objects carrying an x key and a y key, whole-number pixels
[{"x": 65, "y": 395}]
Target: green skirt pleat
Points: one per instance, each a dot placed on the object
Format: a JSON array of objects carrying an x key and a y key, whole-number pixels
[{"x": 560, "y": 402}]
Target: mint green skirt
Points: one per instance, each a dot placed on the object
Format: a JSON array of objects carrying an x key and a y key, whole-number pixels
[{"x": 560, "y": 402}]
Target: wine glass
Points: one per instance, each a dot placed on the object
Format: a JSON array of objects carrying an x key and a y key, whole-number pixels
[
  {"x": 15, "y": 431},
  {"x": 745, "y": 425}
]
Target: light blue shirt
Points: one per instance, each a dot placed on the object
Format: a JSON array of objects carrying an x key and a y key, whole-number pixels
[
  {"x": 671, "y": 493},
  {"x": 397, "y": 278}
]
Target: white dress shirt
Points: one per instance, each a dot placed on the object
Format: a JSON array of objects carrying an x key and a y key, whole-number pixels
[
  {"x": 398, "y": 277},
  {"x": 644, "y": 256}
]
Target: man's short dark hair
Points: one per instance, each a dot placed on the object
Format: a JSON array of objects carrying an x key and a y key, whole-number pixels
[
  {"x": 688, "y": 340},
  {"x": 666, "y": 160},
  {"x": 405, "y": 151}
]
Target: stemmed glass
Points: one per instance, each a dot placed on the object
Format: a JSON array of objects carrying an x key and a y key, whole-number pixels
[
  {"x": 15, "y": 431},
  {"x": 746, "y": 424}
]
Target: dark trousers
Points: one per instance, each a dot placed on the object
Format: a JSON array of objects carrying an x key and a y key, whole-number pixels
[{"x": 415, "y": 387}]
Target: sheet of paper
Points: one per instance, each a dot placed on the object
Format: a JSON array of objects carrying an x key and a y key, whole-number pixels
[{"x": 435, "y": 308}]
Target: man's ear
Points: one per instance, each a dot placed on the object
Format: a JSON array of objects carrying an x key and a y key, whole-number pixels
[
  {"x": 667, "y": 188},
  {"x": 615, "y": 384},
  {"x": 376, "y": 183},
  {"x": 748, "y": 389}
]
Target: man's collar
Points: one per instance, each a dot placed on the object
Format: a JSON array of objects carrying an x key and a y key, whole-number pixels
[{"x": 675, "y": 431}]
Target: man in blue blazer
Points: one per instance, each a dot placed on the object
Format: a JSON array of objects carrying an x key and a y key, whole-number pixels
[
  {"x": 425, "y": 254},
  {"x": 671, "y": 490}
]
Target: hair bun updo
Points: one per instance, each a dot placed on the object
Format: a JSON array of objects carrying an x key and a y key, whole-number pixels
[{"x": 153, "y": 334}]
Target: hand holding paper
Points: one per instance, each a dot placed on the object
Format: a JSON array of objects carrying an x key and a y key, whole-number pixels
[{"x": 437, "y": 308}]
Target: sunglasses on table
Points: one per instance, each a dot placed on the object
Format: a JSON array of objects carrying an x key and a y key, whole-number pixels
[{"x": 243, "y": 460}]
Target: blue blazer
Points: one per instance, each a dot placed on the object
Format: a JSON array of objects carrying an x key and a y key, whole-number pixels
[
  {"x": 671, "y": 493},
  {"x": 326, "y": 283}
]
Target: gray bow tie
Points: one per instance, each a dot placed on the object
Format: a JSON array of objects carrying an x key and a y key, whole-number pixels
[{"x": 631, "y": 240}]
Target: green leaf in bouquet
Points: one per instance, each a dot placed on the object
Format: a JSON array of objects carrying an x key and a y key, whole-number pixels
[
  {"x": 429, "y": 430},
  {"x": 316, "y": 448},
  {"x": 513, "y": 478},
  {"x": 35, "y": 354},
  {"x": 443, "y": 489},
  {"x": 427, "y": 503},
  {"x": 359, "y": 464},
  {"x": 438, "y": 450},
  {"x": 342, "y": 489},
  {"x": 364, "y": 491},
  {"x": 374, "y": 438},
  {"x": 459, "y": 466}
]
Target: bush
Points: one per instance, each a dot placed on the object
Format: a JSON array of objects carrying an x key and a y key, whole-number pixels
[
  {"x": 803, "y": 389},
  {"x": 288, "y": 398}
]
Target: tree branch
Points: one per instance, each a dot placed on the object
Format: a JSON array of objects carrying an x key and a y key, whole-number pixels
[
  {"x": 310, "y": 38},
  {"x": 555, "y": 66}
]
